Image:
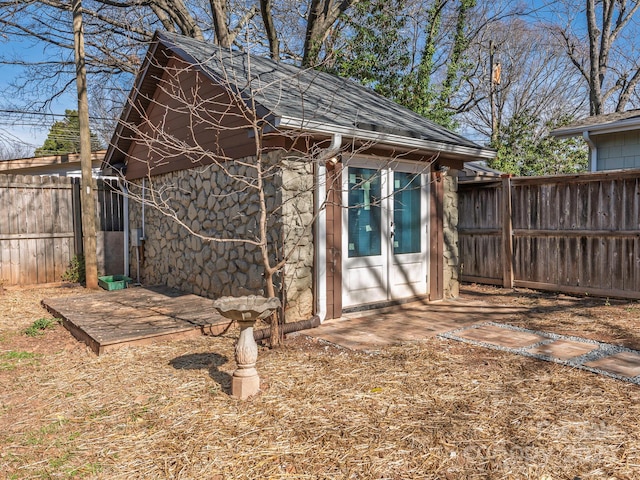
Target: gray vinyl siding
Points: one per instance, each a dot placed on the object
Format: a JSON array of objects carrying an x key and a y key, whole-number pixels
[{"x": 620, "y": 150}]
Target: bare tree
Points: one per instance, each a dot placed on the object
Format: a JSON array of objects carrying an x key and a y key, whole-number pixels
[
  {"x": 535, "y": 79},
  {"x": 321, "y": 16},
  {"x": 244, "y": 189},
  {"x": 117, "y": 32},
  {"x": 606, "y": 53},
  {"x": 266, "y": 8},
  {"x": 12, "y": 149}
]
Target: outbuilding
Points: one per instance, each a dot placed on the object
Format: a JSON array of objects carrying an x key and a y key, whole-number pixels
[{"x": 359, "y": 193}]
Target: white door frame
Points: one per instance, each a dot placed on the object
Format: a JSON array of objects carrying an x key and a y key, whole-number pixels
[{"x": 378, "y": 278}]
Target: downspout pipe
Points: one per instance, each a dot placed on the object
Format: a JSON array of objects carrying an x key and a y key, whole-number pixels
[
  {"x": 144, "y": 187},
  {"x": 125, "y": 219},
  {"x": 320, "y": 196},
  {"x": 593, "y": 151}
]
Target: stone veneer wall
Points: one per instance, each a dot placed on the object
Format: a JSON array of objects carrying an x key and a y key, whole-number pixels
[
  {"x": 209, "y": 202},
  {"x": 297, "y": 219},
  {"x": 451, "y": 264}
]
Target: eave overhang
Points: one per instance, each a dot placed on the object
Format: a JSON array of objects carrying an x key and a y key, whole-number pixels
[
  {"x": 384, "y": 138},
  {"x": 598, "y": 129}
]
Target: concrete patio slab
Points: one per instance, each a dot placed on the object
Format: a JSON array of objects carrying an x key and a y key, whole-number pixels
[
  {"x": 564, "y": 349},
  {"x": 501, "y": 336},
  {"x": 373, "y": 329},
  {"x": 624, "y": 363}
]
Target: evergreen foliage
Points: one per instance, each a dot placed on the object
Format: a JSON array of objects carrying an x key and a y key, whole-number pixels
[
  {"x": 523, "y": 151},
  {"x": 427, "y": 94},
  {"x": 431, "y": 81},
  {"x": 64, "y": 137},
  {"x": 376, "y": 54},
  {"x": 76, "y": 271}
]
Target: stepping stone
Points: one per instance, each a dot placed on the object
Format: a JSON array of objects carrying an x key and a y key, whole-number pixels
[
  {"x": 564, "y": 349},
  {"x": 624, "y": 363},
  {"x": 500, "y": 336}
]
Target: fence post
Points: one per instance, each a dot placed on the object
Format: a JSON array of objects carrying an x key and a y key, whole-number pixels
[
  {"x": 507, "y": 233},
  {"x": 77, "y": 216},
  {"x": 436, "y": 240}
]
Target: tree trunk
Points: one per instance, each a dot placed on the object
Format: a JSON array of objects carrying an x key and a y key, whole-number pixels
[
  {"x": 321, "y": 17},
  {"x": 177, "y": 11},
  {"x": 275, "y": 338},
  {"x": 450, "y": 85},
  {"x": 270, "y": 29},
  {"x": 627, "y": 91},
  {"x": 595, "y": 96},
  {"x": 219, "y": 12},
  {"x": 87, "y": 198}
]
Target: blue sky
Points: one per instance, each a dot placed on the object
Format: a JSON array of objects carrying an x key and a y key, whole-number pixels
[
  {"x": 34, "y": 135},
  {"x": 12, "y": 128}
]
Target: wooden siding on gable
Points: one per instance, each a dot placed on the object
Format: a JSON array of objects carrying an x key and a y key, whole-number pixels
[{"x": 189, "y": 122}]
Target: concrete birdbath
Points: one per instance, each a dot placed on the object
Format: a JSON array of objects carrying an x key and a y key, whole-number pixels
[{"x": 246, "y": 310}]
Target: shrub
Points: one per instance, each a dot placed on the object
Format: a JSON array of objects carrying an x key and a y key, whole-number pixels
[{"x": 75, "y": 272}]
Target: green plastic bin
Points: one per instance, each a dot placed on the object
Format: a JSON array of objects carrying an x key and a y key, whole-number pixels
[{"x": 114, "y": 282}]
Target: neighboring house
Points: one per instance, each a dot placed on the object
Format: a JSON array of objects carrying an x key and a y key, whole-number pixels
[
  {"x": 388, "y": 231},
  {"x": 613, "y": 139},
  {"x": 67, "y": 165}
]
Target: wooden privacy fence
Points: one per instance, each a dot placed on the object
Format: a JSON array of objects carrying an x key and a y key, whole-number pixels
[
  {"x": 572, "y": 233},
  {"x": 40, "y": 225}
]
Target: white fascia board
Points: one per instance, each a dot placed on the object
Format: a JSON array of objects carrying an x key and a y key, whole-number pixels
[
  {"x": 385, "y": 138},
  {"x": 568, "y": 132},
  {"x": 603, "y": 128}
]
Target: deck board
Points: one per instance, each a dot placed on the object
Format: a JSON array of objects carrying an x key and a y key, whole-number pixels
[{"x": 134, "y": 316}]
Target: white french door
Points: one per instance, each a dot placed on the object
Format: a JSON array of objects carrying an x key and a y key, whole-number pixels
[{"x": 385, "y": 232}]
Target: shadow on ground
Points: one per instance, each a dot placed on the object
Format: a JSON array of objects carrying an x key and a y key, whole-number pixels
[{"x": 205, "y": 361}]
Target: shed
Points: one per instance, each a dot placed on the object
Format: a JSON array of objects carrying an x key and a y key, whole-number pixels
[{"x": 357, "y": 187}]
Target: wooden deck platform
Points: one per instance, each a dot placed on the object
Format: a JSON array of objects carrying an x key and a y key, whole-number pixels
[{"x": 106, "y": 320}]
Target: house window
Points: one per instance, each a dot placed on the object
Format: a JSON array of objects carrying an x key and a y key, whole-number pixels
[
  {"x": 364, "y": 212},
  {"x": 406, "y": 213}
]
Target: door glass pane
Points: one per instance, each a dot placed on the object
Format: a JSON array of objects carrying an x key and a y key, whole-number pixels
[
  {"x": 406, "y": 212},
  {"x": 365, "y": 238}
]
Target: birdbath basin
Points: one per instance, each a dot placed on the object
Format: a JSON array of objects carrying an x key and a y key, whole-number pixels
[{"x": 246, "y": 310}]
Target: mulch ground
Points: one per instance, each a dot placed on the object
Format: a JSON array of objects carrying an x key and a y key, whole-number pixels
[
  {"x": 601, "y": 319},
  {"x": 433, "y": 409}
]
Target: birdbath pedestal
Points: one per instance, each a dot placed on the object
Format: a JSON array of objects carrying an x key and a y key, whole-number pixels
[{"x": 246, "y": 310}]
